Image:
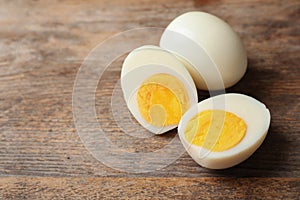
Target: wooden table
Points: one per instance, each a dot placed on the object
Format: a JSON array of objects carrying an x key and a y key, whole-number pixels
[{"x": 42, "y": 46}]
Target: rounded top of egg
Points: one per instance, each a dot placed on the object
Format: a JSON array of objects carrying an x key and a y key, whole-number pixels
[
  {"x": 244, "y": 125},
  {"x": 157, "y": 88},
  {"x": 210, "y": 49}
]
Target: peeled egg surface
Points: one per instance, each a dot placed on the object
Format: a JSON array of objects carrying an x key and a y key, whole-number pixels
[
  {"x": 224, "y": 130},
  {"x": 157, "y": 88},
  {"x": 211, "y": 50}
]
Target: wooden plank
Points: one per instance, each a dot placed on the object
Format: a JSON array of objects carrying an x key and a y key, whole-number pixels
[
  {"x": 148, "y": 188},
  {"x": 43, "y": 44}
]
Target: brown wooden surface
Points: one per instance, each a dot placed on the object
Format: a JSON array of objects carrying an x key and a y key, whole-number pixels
[
  {"x": 42, "y": 45},
  {"x": 149, "y": 188}
]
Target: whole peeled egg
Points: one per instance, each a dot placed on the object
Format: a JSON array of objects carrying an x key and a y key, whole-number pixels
[
  {"x": 224, "y": 130},
  {"x": 209, "y": 48},
  {"x": 157, "y": 88}
]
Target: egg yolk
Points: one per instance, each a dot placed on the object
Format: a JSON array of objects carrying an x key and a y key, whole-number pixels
[
  {"x": 162, "y": 99},
  {"x": 215, "y": 130}
]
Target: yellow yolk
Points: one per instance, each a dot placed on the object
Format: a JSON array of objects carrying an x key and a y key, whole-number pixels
[
  {"x": 162, "y": 100},
  {"x": 216, "y": 130}
]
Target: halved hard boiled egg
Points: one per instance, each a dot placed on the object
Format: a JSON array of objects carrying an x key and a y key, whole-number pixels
[
  {"x": 224, "y": 130},
  {"x": 157, "y": 88}
]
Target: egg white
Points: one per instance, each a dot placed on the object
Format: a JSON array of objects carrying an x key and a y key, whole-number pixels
[
  {"x": 254, "y": 113},
  {"x": 216, "y": 55}
]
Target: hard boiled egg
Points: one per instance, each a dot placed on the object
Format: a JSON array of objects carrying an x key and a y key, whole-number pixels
[
  {"x": 157, "y": 88},
  {"x": 224, "y": 130},
  {"x": 210, "y": 49}
]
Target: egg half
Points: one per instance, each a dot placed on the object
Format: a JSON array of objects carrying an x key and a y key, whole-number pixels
[
  {"x": 224, "y": 130},
  {"x": 210, "y": 49},
  {"x": 157, "y": 88}
]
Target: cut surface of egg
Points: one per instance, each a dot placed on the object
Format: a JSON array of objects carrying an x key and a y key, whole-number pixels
[
  {"x": 224, "y": 130},
  {"x": 157, "y": 88},
  {"x": 210, "y": 49}
]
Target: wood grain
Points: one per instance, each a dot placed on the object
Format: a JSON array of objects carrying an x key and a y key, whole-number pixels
[
  {"x": 149, "y": 188},
  {"x": 42, "y": 45}
]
